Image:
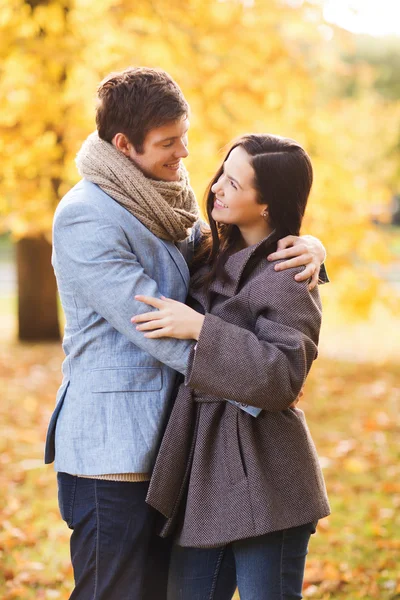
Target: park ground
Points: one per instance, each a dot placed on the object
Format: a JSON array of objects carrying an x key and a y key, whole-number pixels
[{"x": 351, "y": 400}]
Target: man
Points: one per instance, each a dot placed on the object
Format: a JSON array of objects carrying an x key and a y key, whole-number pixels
[{"x": 121, "y": 231}]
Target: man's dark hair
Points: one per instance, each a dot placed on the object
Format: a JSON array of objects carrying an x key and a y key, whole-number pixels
[{"x": 136, "y": 100}]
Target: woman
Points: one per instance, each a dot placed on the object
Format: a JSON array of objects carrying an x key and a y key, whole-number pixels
[{"x": 243, "y": 493}]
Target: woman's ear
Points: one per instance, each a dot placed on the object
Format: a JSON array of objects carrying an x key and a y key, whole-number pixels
[{"x": 265, "y": 213}]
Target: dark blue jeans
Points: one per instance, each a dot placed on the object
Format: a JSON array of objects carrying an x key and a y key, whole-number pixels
[
  {"x": 115, "y": 552},
  {"x": 268, "y": 567}
]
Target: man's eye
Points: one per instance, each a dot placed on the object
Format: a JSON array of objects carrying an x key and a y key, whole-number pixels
[{"x": 168, "y": 145}]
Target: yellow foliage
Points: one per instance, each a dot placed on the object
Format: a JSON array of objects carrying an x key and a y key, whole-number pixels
[{"x": 244, "y": 66}]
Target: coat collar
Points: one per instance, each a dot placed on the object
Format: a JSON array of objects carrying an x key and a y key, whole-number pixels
[{"x": 236, "y": 264}]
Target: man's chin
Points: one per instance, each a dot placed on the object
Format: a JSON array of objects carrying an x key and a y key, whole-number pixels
[
  {"x": 169, "y": 175},
  {"x": 164, "y": 176}
]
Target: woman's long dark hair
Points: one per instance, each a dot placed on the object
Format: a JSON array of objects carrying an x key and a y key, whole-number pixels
[{"x": 283, "y": 180}]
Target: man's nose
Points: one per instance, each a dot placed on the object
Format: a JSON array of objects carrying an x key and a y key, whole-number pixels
[{"x": 182, "y": 151}]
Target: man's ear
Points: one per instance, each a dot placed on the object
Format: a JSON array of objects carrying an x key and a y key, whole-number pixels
[{"x": 121, "y": 142}]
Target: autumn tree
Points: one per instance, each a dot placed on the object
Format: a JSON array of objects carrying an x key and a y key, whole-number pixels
[
  {"x": 244, "y": 65},
  {"x": 34, "y": 53}
]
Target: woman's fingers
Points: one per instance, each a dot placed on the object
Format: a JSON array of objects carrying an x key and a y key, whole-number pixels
[
  {"x": 149, "y": 316},
  {"x": 156, "y": 302},
  {"x": 158, "y": 333},
  {"x": 155, "y": 315},
  {"x": 151, "y": 325}
]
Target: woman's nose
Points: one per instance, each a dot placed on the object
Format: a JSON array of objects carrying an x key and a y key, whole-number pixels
[{"x": 217, "y": 187}]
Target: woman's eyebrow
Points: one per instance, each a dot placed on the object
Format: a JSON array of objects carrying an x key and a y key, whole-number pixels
[{"x": 232, "y": 178}]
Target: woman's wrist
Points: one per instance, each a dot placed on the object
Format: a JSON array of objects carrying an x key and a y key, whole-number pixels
[{"x": 198, "y": 324}]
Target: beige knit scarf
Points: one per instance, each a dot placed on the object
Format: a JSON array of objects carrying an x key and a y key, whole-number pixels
[{"x": 167, "y": 208}]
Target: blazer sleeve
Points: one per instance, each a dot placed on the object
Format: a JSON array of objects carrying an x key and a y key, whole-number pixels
[
  {"x": 95, "y": 256},
  {"x": 323, "y": 276},
  {"x": 265, "y": 367}
]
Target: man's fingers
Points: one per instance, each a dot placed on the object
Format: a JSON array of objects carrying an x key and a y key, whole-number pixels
[
  {"x": 297, "y": 261},
  {"x": 156, "y": 302},
  {"x": 286, "y": 242},
  {"x": 314, "y": 280},
  {"x": 308, "y": 272},
  {"x": 289, "y": 253}
]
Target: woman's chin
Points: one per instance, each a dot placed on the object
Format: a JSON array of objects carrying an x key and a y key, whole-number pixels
[{"x": 216, "y": 215}]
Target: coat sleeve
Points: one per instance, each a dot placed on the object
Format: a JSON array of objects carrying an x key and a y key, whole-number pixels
[
  {"x": 94, "y": 255},
  {"x": 267, "y": 366}
]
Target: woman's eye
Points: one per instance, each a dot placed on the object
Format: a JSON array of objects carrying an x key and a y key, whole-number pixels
[{"x": 233, "y": 185}]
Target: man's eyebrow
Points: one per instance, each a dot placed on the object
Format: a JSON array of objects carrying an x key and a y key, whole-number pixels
[
  {"x": 172, "y": 137},
  {"x": 167, "y": 139}
]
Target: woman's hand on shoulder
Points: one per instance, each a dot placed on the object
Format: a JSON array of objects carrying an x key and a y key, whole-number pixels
[{"x": 171, "y": 319}]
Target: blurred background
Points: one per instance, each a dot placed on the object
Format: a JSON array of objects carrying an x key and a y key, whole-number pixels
[{"x": 325, "y": 72}]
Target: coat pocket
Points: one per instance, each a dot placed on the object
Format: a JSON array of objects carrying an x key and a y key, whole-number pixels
[{"x": 233, "y": 455}]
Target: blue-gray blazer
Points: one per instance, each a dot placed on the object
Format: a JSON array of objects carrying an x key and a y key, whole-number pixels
[{"x": 113, "y": 401}]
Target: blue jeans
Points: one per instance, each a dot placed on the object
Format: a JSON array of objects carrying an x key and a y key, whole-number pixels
[
  {"x": 115, "y": 552},
  {"x": 268, "y": 567}
]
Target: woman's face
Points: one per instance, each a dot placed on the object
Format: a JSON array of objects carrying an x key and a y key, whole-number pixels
[{"x": 235, "y": 201}]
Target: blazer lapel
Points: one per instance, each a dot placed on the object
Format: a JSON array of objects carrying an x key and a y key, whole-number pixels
[{"x": 179, "y": 261}]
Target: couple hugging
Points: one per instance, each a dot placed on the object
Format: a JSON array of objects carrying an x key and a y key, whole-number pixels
[{"x": 184, "y": 467}]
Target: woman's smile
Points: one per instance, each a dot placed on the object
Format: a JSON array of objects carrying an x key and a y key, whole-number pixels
[{"x": 219, "y": 204}]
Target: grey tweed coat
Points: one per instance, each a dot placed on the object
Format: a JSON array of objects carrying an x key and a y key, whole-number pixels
[{"x": 221, "y": 474}]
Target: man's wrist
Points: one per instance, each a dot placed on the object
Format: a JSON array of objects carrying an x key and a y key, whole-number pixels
[{"x": 318, "y": 246}]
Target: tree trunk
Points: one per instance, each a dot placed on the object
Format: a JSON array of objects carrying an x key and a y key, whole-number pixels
[{"x": 37, "y": 291}]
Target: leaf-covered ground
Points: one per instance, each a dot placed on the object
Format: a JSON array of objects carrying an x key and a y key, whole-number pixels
[{"x": 353, "y": 412}]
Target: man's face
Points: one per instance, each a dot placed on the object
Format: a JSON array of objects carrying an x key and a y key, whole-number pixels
[{"x": 163, "y": 149}]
